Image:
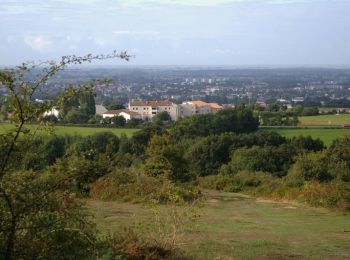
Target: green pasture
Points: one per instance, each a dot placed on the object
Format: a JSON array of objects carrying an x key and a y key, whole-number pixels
[
  {"x": 325, "y": 120},
  {"x": 72, "y": 130},
  {"x": 233, "y": 226},
  {"x": 327, "y": 135}
]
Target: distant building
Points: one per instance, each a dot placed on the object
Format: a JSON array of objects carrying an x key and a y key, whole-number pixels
[
  {"x": 148, "y": 109},
  {"x": 261, "y": 104},
  {"x": 127, "y": 114},
  {"x": 100, "y": 110},
  {"x": 298, "y": 99},
  {"x": 189, "y": 108},
  {"x": 52, "y": 112}
]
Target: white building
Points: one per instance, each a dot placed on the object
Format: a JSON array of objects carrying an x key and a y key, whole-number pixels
[
  {"x": 189, "y": 108},
  {"x": 127, "y": 114},
  {"x": 52, "y": 112},
  {"x": 148, "y": 109}
]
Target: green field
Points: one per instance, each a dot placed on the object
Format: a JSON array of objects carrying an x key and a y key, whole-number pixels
[
  {"x": 72, "y": 130},
  {"x": 325, "y": 134},
  {"x": 233, "y": 226},
  {"x": 325, "y": 120}
]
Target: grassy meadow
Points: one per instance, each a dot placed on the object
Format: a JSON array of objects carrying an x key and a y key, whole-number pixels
[
  {"x": 327, "y": 135},
  {"x": 75, "y": 130},
  {"x": 325, "y": 120},
  {"x": 233, "y": 226}
]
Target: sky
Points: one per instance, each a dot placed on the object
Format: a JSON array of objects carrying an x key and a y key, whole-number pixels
[{"x": 179, "y": 32}]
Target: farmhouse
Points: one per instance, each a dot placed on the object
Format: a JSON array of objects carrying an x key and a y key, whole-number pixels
[{"x": 127, "y": 114}]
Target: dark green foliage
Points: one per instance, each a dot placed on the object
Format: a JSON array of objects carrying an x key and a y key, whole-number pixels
[
  {"x": 279, "y": 118},
  {"x": 82, "y": 171},
  {"x": 76, "y": 116},
  {"x": 50, "y": 119},
  {"x": 275, "y": 160},
  {"x": 307, "y": 143},
  {"x": 141, "y": 138},
  {"x": 49, "y": 223},
  {"x": 310, "y": 167},
  {"x": 157, "y": 166},
  {"x": 310, "y": 111},
  {"x": 87, "y": 102},
  {"x": 161, "y": 117},
  {"x": 44, "y": 151},
  {"x": 339, "y": 157},
  {"x": 238, "y": 120},
  {"x": 165, "y": 158},
  {"x": 77, "y": 106},
  {"x": 207, "y": 154},
  {"x": 113, "y": 105},
  {"x": 92, "y": 146},
  {"x": 118, "y": 121},
  {"x": 133, "y": 122}
]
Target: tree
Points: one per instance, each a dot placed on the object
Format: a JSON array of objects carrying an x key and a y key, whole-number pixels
[
  {"x": 161, "y": 117},
  {"x": 164, "y": 155},
  {"x": 310, "y": 167},
  {"x": 238, "y": 120},
  {"x": 118, "y": 121},
  {"x": 87, "y": 102},
  {"x": 77, "y": 105},
  {"x": 38, "y": 216},
  {"x": 113, "y": 105}
]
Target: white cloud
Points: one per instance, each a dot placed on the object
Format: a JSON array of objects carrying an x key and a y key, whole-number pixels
[
  {"x": 100, "y": 41},
  {"x": 223, "y": 51},
  {"x": 38, "y": 43},
  {"x": 135, "y": 33},
  {"x": 143, "y": 34}
]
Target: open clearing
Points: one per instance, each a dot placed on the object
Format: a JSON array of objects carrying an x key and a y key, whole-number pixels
[
  {"x": 327, "y": 135},
  {"x": 232, "y": 226},
  {"x": 76, "y": 130},
  {"x": 325, "y": 120}
]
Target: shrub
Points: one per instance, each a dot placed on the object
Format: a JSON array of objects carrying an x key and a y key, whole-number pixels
[
  {"x": 243, "y": 181},
  {"x": 275, "y": 160},
  {"x": 135, "y": 187},
  {"x": 49, "y": 222},
  {"x": 309, "y": 167},
  {"x": 126, "y": 244},
  {"x": 331, "y": 195}
]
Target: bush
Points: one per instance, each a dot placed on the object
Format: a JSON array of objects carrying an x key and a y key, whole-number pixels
[
  {"x": 131, "y": 186},
  {"x": 49, "y": 222},
  {"x": 126, "y": 244},
  {"x": 251, "y": 182},
  {"x": 275, "y": 160},
  {"x": 330, "y": 195},
  {"x": 309, "y": 167}
]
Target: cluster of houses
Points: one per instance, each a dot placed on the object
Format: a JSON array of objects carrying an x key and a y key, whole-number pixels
[{"x": 145, "y": 110}]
